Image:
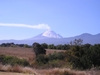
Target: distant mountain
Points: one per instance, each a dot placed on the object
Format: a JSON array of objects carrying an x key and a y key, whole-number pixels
[
  {"x": 47, "y": 34},
  {"x": 51, "y": 37},
  {"x": 51, "y": 34}
]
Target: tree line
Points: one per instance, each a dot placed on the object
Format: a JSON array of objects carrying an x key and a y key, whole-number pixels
[
  {"x": 44, "y": 45},
  {"x": 15, "y": 45}
]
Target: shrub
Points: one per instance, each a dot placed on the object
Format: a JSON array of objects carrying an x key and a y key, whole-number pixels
[
  {"x": 49, "y": 61},
  {"x": 13, "y": 60},
  {"x": 84, "y": 57},
  {"x": 38, "y": 49},
  {"x": 41, "y": 59},
  {"x": 56, "y": 56}
]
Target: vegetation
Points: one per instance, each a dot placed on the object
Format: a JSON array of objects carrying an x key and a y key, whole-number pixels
[
  {"x": 58, "y": 71},
  {"x": 13, "y": 60},
  {"x": 74, "y": 55},
  {"x": 44, "y": 45},
  {"x": 79, "y": 56},
  {"x": 14, "y": 45},
  {"x": 56, "y": 59},
  {"x": 60, "y": 46},
  {"x": 38, "y": 49},
  {"x": 83, "y": 56}
]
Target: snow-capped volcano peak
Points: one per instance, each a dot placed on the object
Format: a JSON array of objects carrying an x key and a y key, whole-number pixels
[{"x": 51, "y": 34}]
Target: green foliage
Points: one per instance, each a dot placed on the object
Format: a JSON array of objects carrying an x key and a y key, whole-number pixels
[
  {"x": 76, "y": 42},
  {"x": 94, "y": 54},
  {"x": 27, "y": 46},
  {"x": 60, "y": 46},
  {"x": 38, "y": 49},
  {"x": 51, "y": 46},
  {"x": 56, "y": 56},
  {"x": 85, "y": 56},
  {"x": 51, "y": 60},
  {"x": 46, "y": 58},
  {"x": 13, "y": 60},
  {"x": 44, "y": 45},
  {"x": 79, "y": 56},
  {"x": 7, "y": 45},
  {"x": 14, "y": 45},
  {"x": 41, "y": 59}
]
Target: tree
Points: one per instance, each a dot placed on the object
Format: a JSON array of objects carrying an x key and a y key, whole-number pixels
[
  {"x": 76, "y": 42},
  {"x": 38, "y": 49},
  {"x": 51, "y": 46},
  {"x": 44, "y": 45}
]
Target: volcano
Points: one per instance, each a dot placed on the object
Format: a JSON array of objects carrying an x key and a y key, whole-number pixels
[{"x": 47, "y": 34}]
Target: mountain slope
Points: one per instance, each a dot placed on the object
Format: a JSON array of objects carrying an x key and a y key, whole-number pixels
[
  {"x": 50, "y": 37},
  {"x": 47, "y": 34},
  {"x": 51, "y": 34}
]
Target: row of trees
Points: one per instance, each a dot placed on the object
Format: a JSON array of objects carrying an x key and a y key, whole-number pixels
[
  {"x": 44, "y": 45},
  {"x": 63, "y": 46},
  {"x": 14, "y": 45},
  {"x": 52, "y": 46}
]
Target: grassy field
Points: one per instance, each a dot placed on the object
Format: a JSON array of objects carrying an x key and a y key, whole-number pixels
[
  {"x": 18, "y": 52},
  {"x": 28, "y": 54}
]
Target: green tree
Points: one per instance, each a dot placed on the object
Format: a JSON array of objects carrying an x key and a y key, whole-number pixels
[
  {"x": 38, "y": 49},
  {"x": 76, "y": 42},
  {"x": 44, "y": 45},
  {"x": 51, "y": 46}
]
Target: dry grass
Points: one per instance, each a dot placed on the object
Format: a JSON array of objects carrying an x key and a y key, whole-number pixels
[
  {"x": 50, "y": 51},
  {"x": 18, "y": 69},
  {"x": 65, "y": 71},
  {"x": 25, "y": 53},
  {"x": 58, "y": 71},
  {"x": 29, "y": 55},
  {"x": 7, "y": 69},
  {"x": 17, "y": 51},
  {"x": 10, "y": 73}
]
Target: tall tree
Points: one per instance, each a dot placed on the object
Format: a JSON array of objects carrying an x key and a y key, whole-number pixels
[{"x": 38, "y": 49}]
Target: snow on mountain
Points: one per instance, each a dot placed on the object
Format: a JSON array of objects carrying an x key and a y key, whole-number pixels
[
  {"x": 47, "y": 34},
  {"x": 51, "y": 34}
]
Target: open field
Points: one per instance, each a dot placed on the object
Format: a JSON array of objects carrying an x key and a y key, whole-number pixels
[
  {"x": 28, "y": 54},
  {"x": 25, "y": 53},
  {"x": 17, "y": 51}
]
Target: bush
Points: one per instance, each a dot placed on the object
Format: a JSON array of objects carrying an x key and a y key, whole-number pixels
[
  {"x": 50, "y": 61},
  {"x": 84, "y": 57},
  {"x": 41, "y": 59},
  {"x": 56, "y": 56},
  {"x": 38, "y": 49},
  {"x": 13, "y": 60}
]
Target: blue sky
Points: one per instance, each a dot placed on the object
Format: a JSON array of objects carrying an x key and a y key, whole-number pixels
[{"x": 21, "y": 19}]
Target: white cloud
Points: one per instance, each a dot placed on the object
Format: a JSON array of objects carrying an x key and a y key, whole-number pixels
[{"x": 39, "y": 26}]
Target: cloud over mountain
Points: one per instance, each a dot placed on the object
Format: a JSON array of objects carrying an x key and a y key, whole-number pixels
[{"x": 38, "y": 26}]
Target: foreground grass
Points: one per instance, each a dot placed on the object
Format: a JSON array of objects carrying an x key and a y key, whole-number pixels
[
  {"x": 10, "y": 73},
  {"x": 19, "y": 70}
]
